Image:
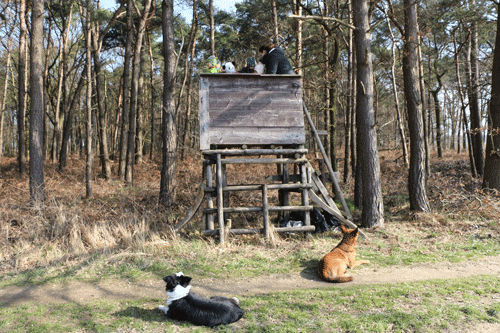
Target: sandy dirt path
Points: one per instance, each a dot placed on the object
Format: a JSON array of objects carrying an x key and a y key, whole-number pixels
[
  {"x": 81, "y": 292},
  {"x": 117, "y": 290}
]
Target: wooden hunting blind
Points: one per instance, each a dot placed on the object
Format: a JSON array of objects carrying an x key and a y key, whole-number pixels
[
  {"x": 249, "y": 109},
  {"x": 257, "y": 119}
]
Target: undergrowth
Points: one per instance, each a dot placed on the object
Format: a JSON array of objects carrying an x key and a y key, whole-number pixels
[{"x": 121, "y": 226}]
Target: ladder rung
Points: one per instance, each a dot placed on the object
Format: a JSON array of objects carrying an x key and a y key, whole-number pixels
[
  {"x": 247, "y": 152},
  {"x": 259, "y": 187},
  {"x": 305, "y": 228},
  {"x": 259, "y": 209},
  {"x": 264, "y": 161}
]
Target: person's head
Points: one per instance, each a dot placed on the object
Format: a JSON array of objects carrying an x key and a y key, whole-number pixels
[
  {"x": 213, "y": 62},
  {"x": 265, "y": 48},
  {"x": 251, "y": 62}
]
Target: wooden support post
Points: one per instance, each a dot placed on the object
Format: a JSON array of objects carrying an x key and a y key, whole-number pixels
[
  {"x": 286, "y": 194},
  {"x": 265, "y": 210},
  {"x": 225, "y": 194},
  {"x": 210, "y": 200},
  {"x": 220, "y": 199},
  {"x": 305, "y": 194},
  {"x": 279, "y": 172}
]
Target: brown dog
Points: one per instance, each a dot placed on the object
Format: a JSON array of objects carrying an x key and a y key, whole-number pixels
[{"x": 333, "y": 266}]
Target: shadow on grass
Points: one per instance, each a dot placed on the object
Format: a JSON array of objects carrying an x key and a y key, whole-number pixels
[
  {"x": 310, "y": 268},
  {"x": 149, "y": 315}
]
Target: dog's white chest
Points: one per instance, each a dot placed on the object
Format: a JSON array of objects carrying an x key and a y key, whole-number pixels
[{"x": 178, "y": 293}]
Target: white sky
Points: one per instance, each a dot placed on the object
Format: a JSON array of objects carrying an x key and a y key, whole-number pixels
[{"x": 226, "y": 5}]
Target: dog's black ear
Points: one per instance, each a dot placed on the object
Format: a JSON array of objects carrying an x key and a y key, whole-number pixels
[{"x": 184, "y": 280}]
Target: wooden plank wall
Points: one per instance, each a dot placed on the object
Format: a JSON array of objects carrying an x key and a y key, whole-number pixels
[{"x": 251, "y": 109}]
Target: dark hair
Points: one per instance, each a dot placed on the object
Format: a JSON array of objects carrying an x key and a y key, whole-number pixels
[{"x": 266, "y": 48}]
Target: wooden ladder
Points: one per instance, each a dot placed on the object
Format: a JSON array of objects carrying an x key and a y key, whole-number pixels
[{"x": 218, "y": 191}]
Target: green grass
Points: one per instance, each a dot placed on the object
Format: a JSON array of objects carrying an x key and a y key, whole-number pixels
[
  {"x": 431, "y": 306},
  {"x": 428, "y": 306}
]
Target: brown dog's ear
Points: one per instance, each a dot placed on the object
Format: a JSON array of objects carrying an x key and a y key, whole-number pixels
[
  {"x": 343, "y": 228},
  {"x": 184, "y": 280}
]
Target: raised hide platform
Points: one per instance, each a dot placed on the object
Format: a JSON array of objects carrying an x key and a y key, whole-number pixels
[{"x": 256, "y": 119}]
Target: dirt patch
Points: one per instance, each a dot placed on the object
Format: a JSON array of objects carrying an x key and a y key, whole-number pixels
[{"x": 116, "y": 290}]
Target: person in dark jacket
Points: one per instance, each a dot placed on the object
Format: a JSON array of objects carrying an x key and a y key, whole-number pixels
[
  {"x": 250, "y": 66},
  {"x": 275, "y": 60}
]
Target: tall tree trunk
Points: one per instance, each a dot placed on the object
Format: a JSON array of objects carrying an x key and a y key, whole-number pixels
[
  {"x": 192, "y": 47},
  {"x": 139, "y": 132},
  {"x": 417, "y": 177},
  {"x": 399, "y": 119},
  {"x": 21, "y": 90},
  {"x": 332, "y": 103},
  {"x": 134, "y": 97},
  {"x": 126, "y": 93},
  {"x": 169, "y": 135},
  {"x": 437, "y": 110},
  {"x": 473, "y": 92},
  {"x": 297, "y": 9},
  {"x": 349, "y": 105},
  {"x": 88, "y": 101},
  {"x": 212, "y": 27},
  {"x": 37, "y": 110},
  {"x": 424, "y": 105},
  {"x": 61, "y": 96},
  {"x": 102, "y": 127},
  {"x": 373, "y": 207},
  {"x": 328, "y": 90},
  {"x": 491, "y": 177},
  {"x": 68, "y": 121},
  {"x": 153, "y": 99},
  {"x": 462, "y": 110},
  {"x": 275, "y": 23},
  {"x": 4, "y": 95},
  {"x": 118, "y": 120}
]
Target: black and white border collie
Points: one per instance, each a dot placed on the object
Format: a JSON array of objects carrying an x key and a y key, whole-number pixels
[{"x": 184, "y": 305}]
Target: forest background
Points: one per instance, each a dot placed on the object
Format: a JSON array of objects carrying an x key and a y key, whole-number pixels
[{"x": 121, "y": 86}]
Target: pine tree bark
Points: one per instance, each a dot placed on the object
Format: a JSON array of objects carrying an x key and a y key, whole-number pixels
[
  {"x": 297, "y": 9},
  {"x": 68, "y": 121},
  {"x": 139, "y": 132},
  {"x": 349, "y": 135},
  {"x": 169, "y": 135},
  {"x": 275, "y": 22},
  {"x": 212, "y": 27},
  {"x": 103, "y": 132},
  {"x": 462, "y": 110},
  {"x": 88, "y": 101},
  {"x": 153, "y": 99},
  {"x": 123, "y": 145},
  {"x": 372, "y": 210},
  {"x": 190, "y": 64},
  {"x": 134, "y": 97},
  {"x": 4, "y": 95},
  {"x": 473, "y": 92},
  {"x": 21, "y": 90},
  {"x": 491, "y": 179},
  {"x": 37, "y": 109},
  {"x": 417, "y": 177}
]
